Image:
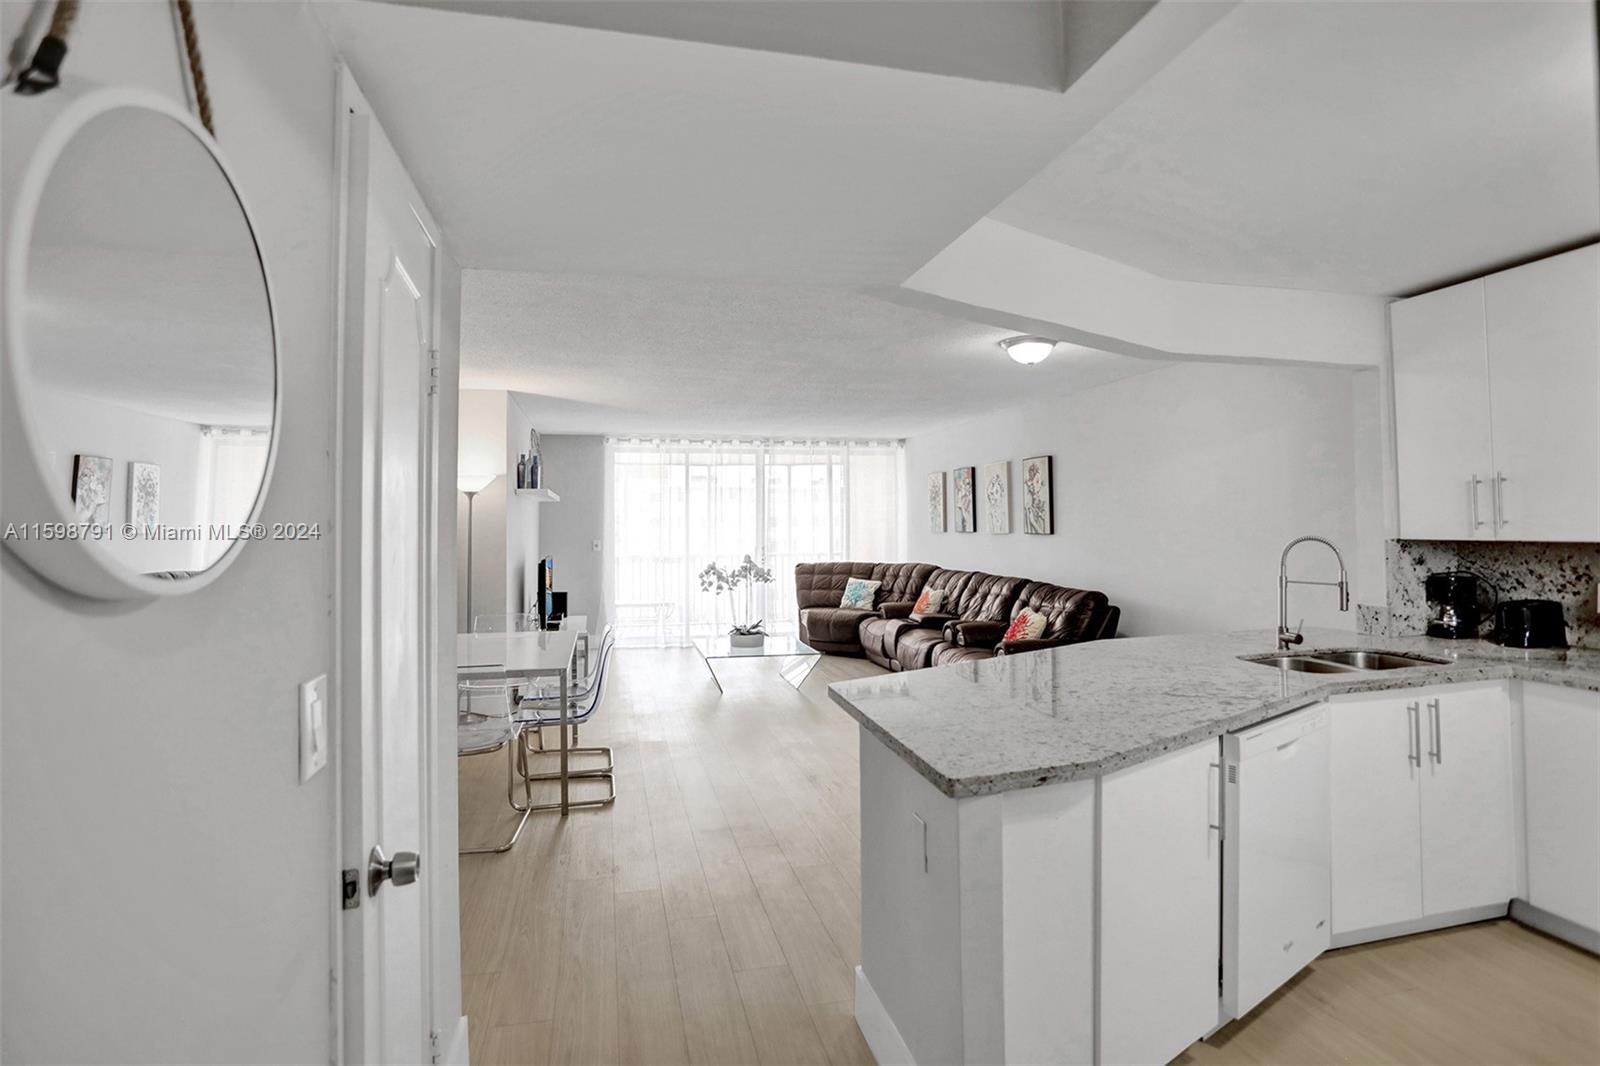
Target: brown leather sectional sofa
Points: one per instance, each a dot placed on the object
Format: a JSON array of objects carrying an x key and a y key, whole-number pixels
[{"x": 978, "y": 609}]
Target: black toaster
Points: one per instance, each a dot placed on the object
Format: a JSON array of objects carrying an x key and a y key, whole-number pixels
[{"x": 1529, "y": 624}]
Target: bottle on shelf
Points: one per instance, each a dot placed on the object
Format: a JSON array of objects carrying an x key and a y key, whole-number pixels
[
  {"x": 522, "y": 471},
  {"x": 533, "y": 471}
]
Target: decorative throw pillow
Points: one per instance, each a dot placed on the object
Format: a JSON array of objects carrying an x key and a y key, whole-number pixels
[
  {"x": 1025, "y": 626},
  {"x": 930, "y": 602},
  {"x": 859, "y": 593}
]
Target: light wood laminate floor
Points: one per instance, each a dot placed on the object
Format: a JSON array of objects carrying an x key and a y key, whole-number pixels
[{"x": 712, "y": 915}]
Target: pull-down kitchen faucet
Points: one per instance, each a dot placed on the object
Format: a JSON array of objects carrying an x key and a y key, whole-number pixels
[{"x": 1286, "y": 636}]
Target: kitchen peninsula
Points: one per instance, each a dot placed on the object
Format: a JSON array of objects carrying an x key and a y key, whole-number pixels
[{"x": 1043, "y": 871}]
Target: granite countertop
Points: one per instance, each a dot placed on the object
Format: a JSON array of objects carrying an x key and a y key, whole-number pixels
[{"x": 1017, "y": 721}]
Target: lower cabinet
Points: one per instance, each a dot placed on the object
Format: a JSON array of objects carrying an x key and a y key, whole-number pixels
[
  {"x": 1423, "y": 806},
  {"x": 1469, "y": 846},
  {"x": 1377, "y": 820},
  {"x": 1561, "y": 759},
  {"x": 1160, "y": 900}
]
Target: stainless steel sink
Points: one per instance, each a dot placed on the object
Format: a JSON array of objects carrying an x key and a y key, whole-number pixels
[
  {"x": 1340, "y": 662},
  {"x": 1304, "y": 664},
  {"x": 1375, "y": 660}
]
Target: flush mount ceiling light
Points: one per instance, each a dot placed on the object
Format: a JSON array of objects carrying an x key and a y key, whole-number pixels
[{"x": 1028, "y": 350}]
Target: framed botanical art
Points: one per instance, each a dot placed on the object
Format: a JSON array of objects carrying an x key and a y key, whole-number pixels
[
  {"x": 964, "y": 480},
  {"x": 997, "y": 496},
  {"x": 936, "y": 506},
  {"x": 144, "y": 495},
  {"x": 91, "y": 488},
  {"x": 1038, "y": 508}
]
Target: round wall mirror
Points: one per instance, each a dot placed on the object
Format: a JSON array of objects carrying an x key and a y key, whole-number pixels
[{"x": 141, "y": 351}]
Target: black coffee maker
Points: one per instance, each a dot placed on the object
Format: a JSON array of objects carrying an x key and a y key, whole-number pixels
[{"x": 1457, "y": 604}]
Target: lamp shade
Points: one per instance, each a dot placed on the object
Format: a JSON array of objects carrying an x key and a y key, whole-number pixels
[
  {"x": 1028, "y": 350},
  {"x": 470, "y": 483}
]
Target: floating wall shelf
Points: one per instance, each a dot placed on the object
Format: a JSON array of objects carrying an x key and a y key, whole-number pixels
[{"x": 538, "y": 495}]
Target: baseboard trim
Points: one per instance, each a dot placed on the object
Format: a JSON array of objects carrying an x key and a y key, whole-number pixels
[
  {"x": 881, "y": 1034},
  {"x": 455, "y": 1051},
  {"x": 1419, "y": 925},
  {"x": 1579, "y": 936}
]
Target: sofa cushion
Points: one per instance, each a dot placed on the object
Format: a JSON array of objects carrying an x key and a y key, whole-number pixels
[
  {"x": 835, "y": 624},
  {"x": 988, "y": 597},
  {"x": 947, "y": 653},
  {"x": 1026, "y": 624},
  {"x": 913, "y": 648},
  {"x": 930, "y": 602},
  {"x": 901, "y": 581},
  {"x": 860, "y": 593}
]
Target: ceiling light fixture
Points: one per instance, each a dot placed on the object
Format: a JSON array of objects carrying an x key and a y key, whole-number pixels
[{"x": 1028, "y": 350}]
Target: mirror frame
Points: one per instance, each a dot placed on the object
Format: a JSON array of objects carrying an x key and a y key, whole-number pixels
[{"x": 39, "y": 129}]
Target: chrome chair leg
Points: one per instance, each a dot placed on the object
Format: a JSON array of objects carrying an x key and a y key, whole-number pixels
[{"x": 526, "y": 808}]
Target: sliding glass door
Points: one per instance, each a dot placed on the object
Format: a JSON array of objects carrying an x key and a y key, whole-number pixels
[{"x": 678, "y": 505}]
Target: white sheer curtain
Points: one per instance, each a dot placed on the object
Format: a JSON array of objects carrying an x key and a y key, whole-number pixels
[{"x": 678, "y": 505}]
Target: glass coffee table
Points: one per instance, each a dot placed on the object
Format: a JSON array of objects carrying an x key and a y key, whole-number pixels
[{"x": 798, "y": 659}]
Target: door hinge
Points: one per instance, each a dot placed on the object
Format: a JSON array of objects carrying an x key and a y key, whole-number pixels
[
  {"x": 434, "y": 1037},
  {"x": 350, "y": 885}
]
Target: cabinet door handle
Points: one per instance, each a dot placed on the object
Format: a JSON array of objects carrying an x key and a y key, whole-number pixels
[
  {"x": 1213, "y": 820},
  {"x": 1414, "y": 713},
  {"x": 1436, "y": 731},
  {"x": 1472, "y": 500},
  {"x": 1499, "y": 495}
]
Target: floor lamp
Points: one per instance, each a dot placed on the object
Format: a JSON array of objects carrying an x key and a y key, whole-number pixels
[{"x": 471, "y": 485}]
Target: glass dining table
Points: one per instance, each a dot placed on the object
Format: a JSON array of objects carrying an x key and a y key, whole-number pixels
[{"x": 541, "y": 653}]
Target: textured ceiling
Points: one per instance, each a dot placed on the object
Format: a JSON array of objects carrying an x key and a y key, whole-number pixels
[
  {"x": 638, "y": 355},
  {"x": 1378, "y": 148}
]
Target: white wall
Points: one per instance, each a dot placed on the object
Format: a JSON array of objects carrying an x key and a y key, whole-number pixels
[
  {"x": 576, "y": 470},
  {"x": 481, "y": 440},
  {"x": 166, "y": 879},
  {"x": 1175, "y": 492},
  {"x": 71, "y": 424}
]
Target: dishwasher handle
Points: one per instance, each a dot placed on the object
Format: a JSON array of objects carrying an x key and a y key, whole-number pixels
[{"x": 1213, "y": 795}]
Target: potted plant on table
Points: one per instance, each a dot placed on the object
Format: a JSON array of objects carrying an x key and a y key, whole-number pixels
[{"x": 746, "y": 633}]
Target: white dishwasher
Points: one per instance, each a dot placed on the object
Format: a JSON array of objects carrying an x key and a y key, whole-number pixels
[{"x": 1277, "y": 854}]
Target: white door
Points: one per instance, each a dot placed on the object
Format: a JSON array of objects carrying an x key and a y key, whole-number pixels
[
  {"x": 1160, "y": 904},
  {"x": 1441, "y": 400},
  {"x": 1544, "y": 390},
  {"x": 1468, "y": 842},
  {"x": 389, "y": 439},
  {"x": 1377, "y": 831},
  {"x": 1561, "y": 752}
]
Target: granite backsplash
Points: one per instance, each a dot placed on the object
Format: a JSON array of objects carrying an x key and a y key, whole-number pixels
[{"x": 1566, "y": 573}]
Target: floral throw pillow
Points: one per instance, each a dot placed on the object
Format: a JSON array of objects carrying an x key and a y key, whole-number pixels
[
  {"x": 1025, "y": 626},
  {"x": 859, "y": 593},
  {"x": 930, "y": 602}
]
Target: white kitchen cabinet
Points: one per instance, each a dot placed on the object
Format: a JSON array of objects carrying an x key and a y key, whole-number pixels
[
  {"x": 1543, "y": 331},
  {"x": 1468, "y": 841},
  {"x": 1377, "y": 825},
  {"x": 1496, "y": 386},
  {"x": 1160, "y": 900},
  {"x": 1441, "y": 398},
  {"x": 1422, "y": 806},
  {"x": 1561, "y": 781}
]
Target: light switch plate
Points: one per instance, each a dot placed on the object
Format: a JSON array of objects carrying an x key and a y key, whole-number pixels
[{"x": 314, "y": 739}]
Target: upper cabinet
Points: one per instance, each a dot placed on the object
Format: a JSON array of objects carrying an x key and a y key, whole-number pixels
[{"x": 1497, "y": 405}]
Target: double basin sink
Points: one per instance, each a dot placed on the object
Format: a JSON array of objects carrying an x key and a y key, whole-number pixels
[{"x": 1341, "y": 662}]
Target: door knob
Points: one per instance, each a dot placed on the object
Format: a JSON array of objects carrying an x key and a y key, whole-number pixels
[{"x": 402, "y": 869}]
